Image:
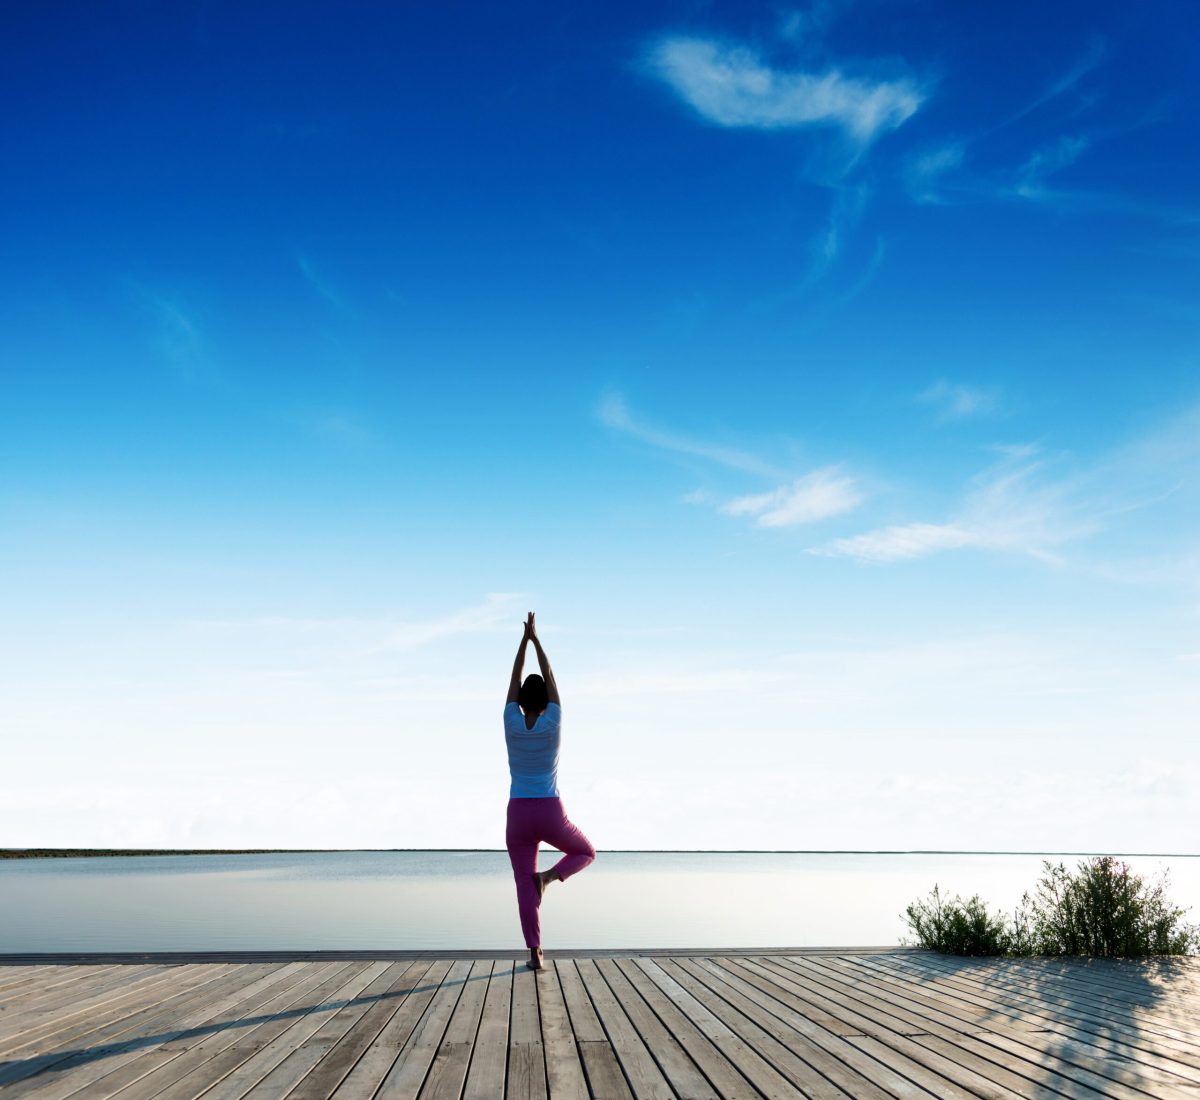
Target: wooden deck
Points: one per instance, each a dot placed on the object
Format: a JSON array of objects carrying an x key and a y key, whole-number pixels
[{"x": 601, "y": 1024}]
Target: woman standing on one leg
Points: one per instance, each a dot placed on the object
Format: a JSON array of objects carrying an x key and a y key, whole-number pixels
[{"x": 532, "y": 725}]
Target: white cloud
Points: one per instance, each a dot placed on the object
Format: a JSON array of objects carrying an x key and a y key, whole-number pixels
[
  {"x": 732, "y": 86},
  {"x": 498, "y": 608},
  {"x": 846, "y": 211},
  {"x": 1007, "y": 509},
  {"x": 957, "y": 402},
  {"x": 348, "y": 635},
  {"x": 1020, "y": 505},
  {"x": 613, "y": 413},
  {"x": 905, "y": 540},
  {"x": 942, "y": 159},
  {"x": 926, "y": 171},
  {"x": 1093, "y": 54},
  {"x": 815, "y": 496},
  {"x": 1047, "y": 160}
]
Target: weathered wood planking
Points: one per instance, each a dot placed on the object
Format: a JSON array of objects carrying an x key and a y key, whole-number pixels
[{"x": 634, "y": 1025}]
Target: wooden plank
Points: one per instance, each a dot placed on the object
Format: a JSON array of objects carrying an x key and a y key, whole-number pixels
[
  {"x": 406, "y": 1077},
  {"x": 27, "y": 981},
  {"x": 834, "y": 1063},
  {"x": 897, "y": 1032},
  {"x": 1127, "y": 1045},
  {"x": 765, "y": 1077},
  {"x": 254, "y": 1055},
  {"x": 295, "y": 1067},
  {"x": 449, "y": 1069},
  {"x": 820, "y": 1023},
  {"x": 489, "y": 1061},
  {"x": 720, "y": 1066},
  {"x": 1093, "y": 1050},
  {"x": 642, "y": 1071},
  {"x": 1127, "y": 979},
  {"x": 603, "y": 1071},
  {"x": 364, "y": 1079},
  {"x": 51, "y": 1044},
  {"x": 108, "y": 993},
  {"x": 18, "y": 976},
  {"x": 585, "y": 1024},
  {"x": 564, "y": 1071},
  {"x": 739, "y": 1025},
  {"x": 321, "y": 1082},
  {"x": 826, "y": 1036},
  {"x": 596, "y": 1055},
  {"x": 1052, "y": 988},
  {"x": 1089, "y": 979},
  {"x": 784, "y": 1060},
  {"x": 204, "y": 1058},
  {"x": 897, "y": 1053},
  {"x": 1078, "y": 998},
  {"x": 673, "y": 1061},
  {"x": 72, "y": 984},
  {"x": 879, "y": 1007},
  {"x": 937, "y": 1019},
  {"x": 526, "y": 1055},
  {"x": 526, "y": 1072},
  {"x": 144, "y": 1041}
]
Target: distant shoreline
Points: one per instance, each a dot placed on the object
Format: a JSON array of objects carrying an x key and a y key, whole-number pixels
[{"x": 94, "y": 853}]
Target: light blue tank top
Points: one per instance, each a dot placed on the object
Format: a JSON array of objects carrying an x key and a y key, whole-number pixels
[{"x": 533, "y": 753}]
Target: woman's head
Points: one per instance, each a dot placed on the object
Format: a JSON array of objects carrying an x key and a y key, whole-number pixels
[{"x": 532, "y": 697}]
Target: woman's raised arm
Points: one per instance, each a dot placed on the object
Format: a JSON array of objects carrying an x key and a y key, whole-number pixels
[
  {"x": 544, "y": 664},
  {"x": 514, "y": 685}
]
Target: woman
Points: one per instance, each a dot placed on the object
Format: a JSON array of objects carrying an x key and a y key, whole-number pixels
[{"x": 532, "y": 722}]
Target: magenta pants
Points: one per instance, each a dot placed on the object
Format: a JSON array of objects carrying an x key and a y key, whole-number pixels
[{"x": 530, "y": 821}]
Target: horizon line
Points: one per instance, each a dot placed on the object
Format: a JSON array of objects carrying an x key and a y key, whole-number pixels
[{"x": 33, "y": 853}]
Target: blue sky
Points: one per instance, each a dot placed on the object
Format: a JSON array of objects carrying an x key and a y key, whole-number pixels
[{"x": 825, "y": 377}]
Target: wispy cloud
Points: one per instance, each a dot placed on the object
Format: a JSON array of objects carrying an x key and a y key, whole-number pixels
[
  {"x": 1094, "y": 52},
  {"x": 938, "y": 174},
  {"x": 1007, "y": 508},
  {"x": 319, "y": 284},
  {"x": 825, "y": 250},
  {"x": 498, "y": 611},
  {"x": 954, "y": 401},
  {"x": 1046, "y": 160},
  {"x": 1026, "y": 503},
  {"x": 613, "y": 413},
  {"x": 926, "y": 170},
  {"x": 732, "y": 86},
  {"x": 176, "y": 331},
  {"x": 844, "y": 214},
  {"x": 816, "y": 496},
  {"x": 905, "y": 540}
]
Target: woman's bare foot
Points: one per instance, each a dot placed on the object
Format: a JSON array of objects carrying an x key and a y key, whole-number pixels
[
  {"x": 535, "y": 959},
  {"x": 541, "y": 879}
]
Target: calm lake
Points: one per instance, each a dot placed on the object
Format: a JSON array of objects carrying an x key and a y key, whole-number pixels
[{"x": 444, "y": 900}]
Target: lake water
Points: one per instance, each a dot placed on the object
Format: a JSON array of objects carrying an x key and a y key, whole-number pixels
[{"x": 445, "y": 900}]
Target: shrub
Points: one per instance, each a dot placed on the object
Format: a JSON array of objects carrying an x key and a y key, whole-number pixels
[
  {"x": 1103, "y": 909},
  {"x": 957, "y": 927}
]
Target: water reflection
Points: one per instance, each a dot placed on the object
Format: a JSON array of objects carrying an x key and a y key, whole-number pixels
[{"x": 444, "y": 900}]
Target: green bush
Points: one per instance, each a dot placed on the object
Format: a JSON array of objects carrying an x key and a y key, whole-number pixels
[
  {"x": 957, "y": 927},
  {"x": 1103, "y": 909}
]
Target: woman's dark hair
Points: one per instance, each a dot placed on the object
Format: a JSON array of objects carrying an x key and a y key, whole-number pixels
[{"x": 532, "y": 696}]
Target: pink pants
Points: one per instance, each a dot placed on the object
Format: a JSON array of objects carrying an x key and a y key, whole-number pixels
[{"x": 530, "y": 821}]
